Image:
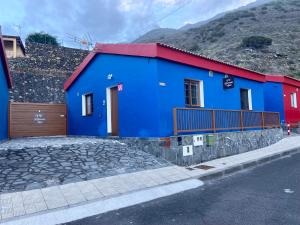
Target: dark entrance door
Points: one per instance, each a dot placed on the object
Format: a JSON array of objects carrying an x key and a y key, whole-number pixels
[
  {"x": 114, "y": 111},
  {"x": 244, "y": 99}
]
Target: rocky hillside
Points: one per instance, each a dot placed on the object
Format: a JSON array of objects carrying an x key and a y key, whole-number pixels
[{"x": 265, "y": 38}]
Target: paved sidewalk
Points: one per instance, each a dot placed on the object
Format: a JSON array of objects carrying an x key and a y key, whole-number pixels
[
  {"x": 45, "y": 200},
  {"x": 226, "y": 165},
  {"x": 38, "y": 200}
]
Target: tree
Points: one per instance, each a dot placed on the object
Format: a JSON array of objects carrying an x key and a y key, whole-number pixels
[{"x": 42, "y": 38}]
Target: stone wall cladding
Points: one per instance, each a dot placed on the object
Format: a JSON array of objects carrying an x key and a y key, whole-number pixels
[
  {"x": 40, "y": 75},
  {"x": 226, "y": 144}
]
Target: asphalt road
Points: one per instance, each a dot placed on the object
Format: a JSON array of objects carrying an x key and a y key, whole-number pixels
[{"x": 268, "y": 194}]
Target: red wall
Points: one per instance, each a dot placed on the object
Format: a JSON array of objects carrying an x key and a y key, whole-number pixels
[{"x": 292, "y": 115}]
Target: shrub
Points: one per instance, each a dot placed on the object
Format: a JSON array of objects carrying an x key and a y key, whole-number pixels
[
  {"x": 256, "y": 42},
  {"x": 194, "y": 48},
  {"x": 296, "y": 74}
]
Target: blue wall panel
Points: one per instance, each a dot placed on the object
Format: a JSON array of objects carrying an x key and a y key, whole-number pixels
[
  {"x": 273, "y": 97},
  {"x": 138, "y": 102},
  {"x": 3, "y": 106},
  {"x": 215, "y": 97}
]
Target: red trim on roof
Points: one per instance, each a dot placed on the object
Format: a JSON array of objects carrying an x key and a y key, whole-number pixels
[
  {"x": 283, "y": 79},
  {"x": 157, "y": 50},
  {"x": 142, "y": 50},
  {"x": 275, "y": 78},
  {"x": 79, "y": 70},
  {"x": 5, "y": 63},
  {"x": 187, "y": 58}
]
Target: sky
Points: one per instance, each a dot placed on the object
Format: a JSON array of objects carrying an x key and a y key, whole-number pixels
[{"x": 105, "y": 20}]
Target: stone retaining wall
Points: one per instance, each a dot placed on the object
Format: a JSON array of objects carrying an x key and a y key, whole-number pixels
[
  {"x": 221, "y": 145},
  {"x": 29, "y": 87},
  {"x": 32, "y": 163}
]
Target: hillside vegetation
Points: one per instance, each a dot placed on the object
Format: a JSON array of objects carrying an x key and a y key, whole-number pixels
[{"x": 265, "y": 38}]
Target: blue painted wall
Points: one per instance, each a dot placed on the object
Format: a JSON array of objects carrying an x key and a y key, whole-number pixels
[
  {"x": 138, "y": 102},
  {"x": 215, "y": 97},
  {"x": 274, "y": 99},
  {"x": 4, "y": 105},
  {"x": 145, "y": 107}
]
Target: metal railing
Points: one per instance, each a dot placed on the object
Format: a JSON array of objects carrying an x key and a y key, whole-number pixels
[{"x": 189, "y": 120}]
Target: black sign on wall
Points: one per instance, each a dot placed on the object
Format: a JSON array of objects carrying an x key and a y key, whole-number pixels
[{"x": 228, "y": 82}]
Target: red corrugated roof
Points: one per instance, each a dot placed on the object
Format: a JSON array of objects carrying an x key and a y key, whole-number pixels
[
  {"x": 158, "y": 50},
  {"x": 283, "y": 79},
  {"x": 5, "y": 63}
]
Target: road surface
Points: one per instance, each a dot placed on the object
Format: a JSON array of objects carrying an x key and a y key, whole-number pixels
[{"x": 268, "y": 194}]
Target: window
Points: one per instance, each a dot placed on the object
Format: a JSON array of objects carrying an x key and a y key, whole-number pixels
[
  {"x": 87, "y": 104},
  {"x": 193, "y": 93},
  {"x": 294, "y": 100},
  {"x": 246, "y": 99}
]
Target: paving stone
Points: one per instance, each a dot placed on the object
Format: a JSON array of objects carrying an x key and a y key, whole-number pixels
[
  {"x": 72, "y": 193},
  {"x": 32, "y": 197},
  {"x": 53, "y": 197},
  {"x": 19, "y": 211}
]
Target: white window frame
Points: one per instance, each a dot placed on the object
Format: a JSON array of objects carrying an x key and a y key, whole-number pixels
[
  {"x": 249, "y": 92},
  {"x": 108, "y": 110},
  {"x": 250, "y": 99},
  {"x": 83, "y": 105},
  {"x": 294, "y": 102},
  {"x": 201, "y": 92}
]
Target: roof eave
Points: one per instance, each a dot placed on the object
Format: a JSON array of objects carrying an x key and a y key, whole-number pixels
[{"x": 79, "y": 70}]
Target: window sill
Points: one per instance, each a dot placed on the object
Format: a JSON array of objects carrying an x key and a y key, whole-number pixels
[
  {"x": 87, "y": 115},
  {"x": 194, "y": 106}
]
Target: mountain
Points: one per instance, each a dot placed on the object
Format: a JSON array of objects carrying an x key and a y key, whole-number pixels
[
  {"x": 261, "y": 37},
  {"x": 159, "y": 33},
  {"x": 164, "y": 32},
  {"x": 199, "y": 24}
]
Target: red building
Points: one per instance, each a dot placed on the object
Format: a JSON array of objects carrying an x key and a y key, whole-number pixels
[{"x": 282, "y": 93}]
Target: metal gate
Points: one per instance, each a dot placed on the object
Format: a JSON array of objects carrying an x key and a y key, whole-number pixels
[{"x": 35, "y": 119}]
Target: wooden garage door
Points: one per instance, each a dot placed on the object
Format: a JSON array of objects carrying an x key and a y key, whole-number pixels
[{"x": 34, "y": 120}]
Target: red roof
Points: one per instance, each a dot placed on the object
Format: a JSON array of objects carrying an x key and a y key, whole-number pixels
[
  {"x": 4, "y": 62},
  {"x": 162, "y": 51},
  {"x": 283, "y": 79}
]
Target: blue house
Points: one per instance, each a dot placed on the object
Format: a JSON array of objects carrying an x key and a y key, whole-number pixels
[
  {"x": 282, "y": 94},
  {"x": 155, "y": 90},
  {"x": 5, "y": 85}
]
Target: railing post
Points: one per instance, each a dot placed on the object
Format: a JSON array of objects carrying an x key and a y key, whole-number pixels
[
  {"x": 263, "y": 120},
  {"x": 242, "y": 123},
  {"x": 9, "y": 120},
  {"x": 214, "y": 120},
  {"x": 175, "y": 121}
]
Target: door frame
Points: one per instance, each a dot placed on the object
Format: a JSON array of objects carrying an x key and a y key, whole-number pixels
[{"x": 108, "y": 109}]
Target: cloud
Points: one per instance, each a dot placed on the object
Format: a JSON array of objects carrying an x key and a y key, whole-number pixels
[{"x": 106, "y": 20}]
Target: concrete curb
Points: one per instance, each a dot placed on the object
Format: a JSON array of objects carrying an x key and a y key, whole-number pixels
[{"x": 219, "y": 173}]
